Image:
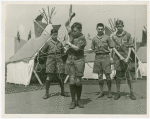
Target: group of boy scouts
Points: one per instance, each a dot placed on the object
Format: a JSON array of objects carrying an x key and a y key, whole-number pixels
[{"x": 110, "y": 51}]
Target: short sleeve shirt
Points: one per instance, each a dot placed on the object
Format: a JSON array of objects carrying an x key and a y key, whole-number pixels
[
  {"x": 52, "y": 47},
  {"x": 122, "y": 42},
  {"x": 102, "y": 44},
  {"x": 80, "y": 42}
]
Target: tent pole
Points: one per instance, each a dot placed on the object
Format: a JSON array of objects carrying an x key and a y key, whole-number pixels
[
  {"x": 37, "y": 77},
  {"x": 135, "y": 43},
  {"x": 45, "y": 15},
  {"x": 135, "y": 61},
  {"x": 48, "y": 15},
  {"x": 66, "y": 79},
  {"x": 40, "y": 26}
]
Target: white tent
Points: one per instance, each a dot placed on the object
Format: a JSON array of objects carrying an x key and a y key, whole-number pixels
[
  {"x": 21, "y": 66},
  {"x": 12, "y": 46},
  {"x": 142, "y": 55}
]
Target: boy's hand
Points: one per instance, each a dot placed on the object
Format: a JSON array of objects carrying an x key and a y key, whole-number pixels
[
  {"x": 68, "y": 43},
  {"x": 73, "y": 15},
  {"x": 113, "y": 74},
  {"x": 122, "y": 58}
]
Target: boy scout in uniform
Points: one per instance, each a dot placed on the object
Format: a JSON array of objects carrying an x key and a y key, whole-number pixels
[
  {"x": 123, "y": 44},
  {"x": 54, "y": 64},
  {"x": 75, "y": 63},
  {"x": 102, "y": 64}
]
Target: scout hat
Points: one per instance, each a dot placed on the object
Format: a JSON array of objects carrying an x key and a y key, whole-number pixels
[{"x": 119, "y": 22}]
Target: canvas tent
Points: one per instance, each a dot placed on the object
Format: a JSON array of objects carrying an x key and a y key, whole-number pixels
[
  {"x": 142, "y": 54},
  {"x": 42, "y": 23},
  {"x": 12, "y": 46},
  {"x": 21, "y": 66}
]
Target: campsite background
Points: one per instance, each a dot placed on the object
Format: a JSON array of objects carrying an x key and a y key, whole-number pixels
[
  {"x": 20, "y": 18},
  {"x": 23, "y": 82}
]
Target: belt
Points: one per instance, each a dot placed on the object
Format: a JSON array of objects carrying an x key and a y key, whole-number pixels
[
  {"x": 54, "y": 54},
  {"x": 102, "y": 53}
]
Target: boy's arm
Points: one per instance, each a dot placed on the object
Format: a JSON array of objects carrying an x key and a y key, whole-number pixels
[
  {"x": 110, "y": 54},
  {"x": 80, "y": 45},
  {"x": 73, "y": 46},
  {"x": 93, "y": 45},
  {"x": 112, "y": 46},
  {"x": 130, "y": 45},
  {"x": 114, "y": 49},
  {"x": 129, "y": 53}
]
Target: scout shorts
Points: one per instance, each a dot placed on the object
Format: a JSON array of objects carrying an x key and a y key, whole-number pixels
[
  {"x": 75, "y": 67},
  {"x": 54, "y": 65},
  {"x": 102, "y": 64}
]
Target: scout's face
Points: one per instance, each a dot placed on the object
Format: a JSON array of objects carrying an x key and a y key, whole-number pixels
[
  {"x": 100, "y": 30},
  {"x": 76, "y": 32},
  {"x": 119, "y": 27},
  {"x": 54, "y": 36}
]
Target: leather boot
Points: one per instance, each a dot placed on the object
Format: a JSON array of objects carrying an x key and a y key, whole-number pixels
[
  {"x": 46, "y": 96},
  {"x": 72, "y": 105},
  {"x": 79, "y": 104}
]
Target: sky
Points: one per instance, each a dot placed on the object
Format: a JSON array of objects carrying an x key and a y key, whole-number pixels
[{"x": 20, "y": 17}]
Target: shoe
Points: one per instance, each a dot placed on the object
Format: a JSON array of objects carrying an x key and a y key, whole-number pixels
[
  {"x": 117, "y": 96},
  {"x": 109, "y": 95},
  {"x": 100, "y": 95},
  {"x": 72, "y": 105},
  {"x": 132, "y": 97},
  {"x": 46, "y": 96},
  {"x": 79, "y": 104},
  {"x": 65, "y": 95}
]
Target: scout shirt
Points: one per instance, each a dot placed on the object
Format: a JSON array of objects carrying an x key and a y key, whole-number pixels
[
  {"x": 53, "y": 50},
  {"x": 101, "y": 44},
  {"x": 80, "y": 42},
  {"x": 122, "y": 42},
  {"x": 50, "y": 48},
  {"x": 53, "y": 47},
  {"x": 75, "y": 63}
]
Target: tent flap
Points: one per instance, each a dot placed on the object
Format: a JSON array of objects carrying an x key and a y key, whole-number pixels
[
  {"x": 29, "y": 49},
  {"x": 20, "y": 72}
]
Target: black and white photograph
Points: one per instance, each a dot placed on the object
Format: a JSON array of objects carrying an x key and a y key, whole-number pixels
[{"x": 75, "y": 58}]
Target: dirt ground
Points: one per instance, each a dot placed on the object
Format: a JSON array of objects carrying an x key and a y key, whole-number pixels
[{"x": 31, "y": 102}]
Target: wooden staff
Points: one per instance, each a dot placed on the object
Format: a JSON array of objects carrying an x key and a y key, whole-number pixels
[{"x": 70, "y": 11}]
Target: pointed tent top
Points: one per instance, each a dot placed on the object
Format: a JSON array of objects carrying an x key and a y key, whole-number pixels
[{"x": 57, "y": 27}]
